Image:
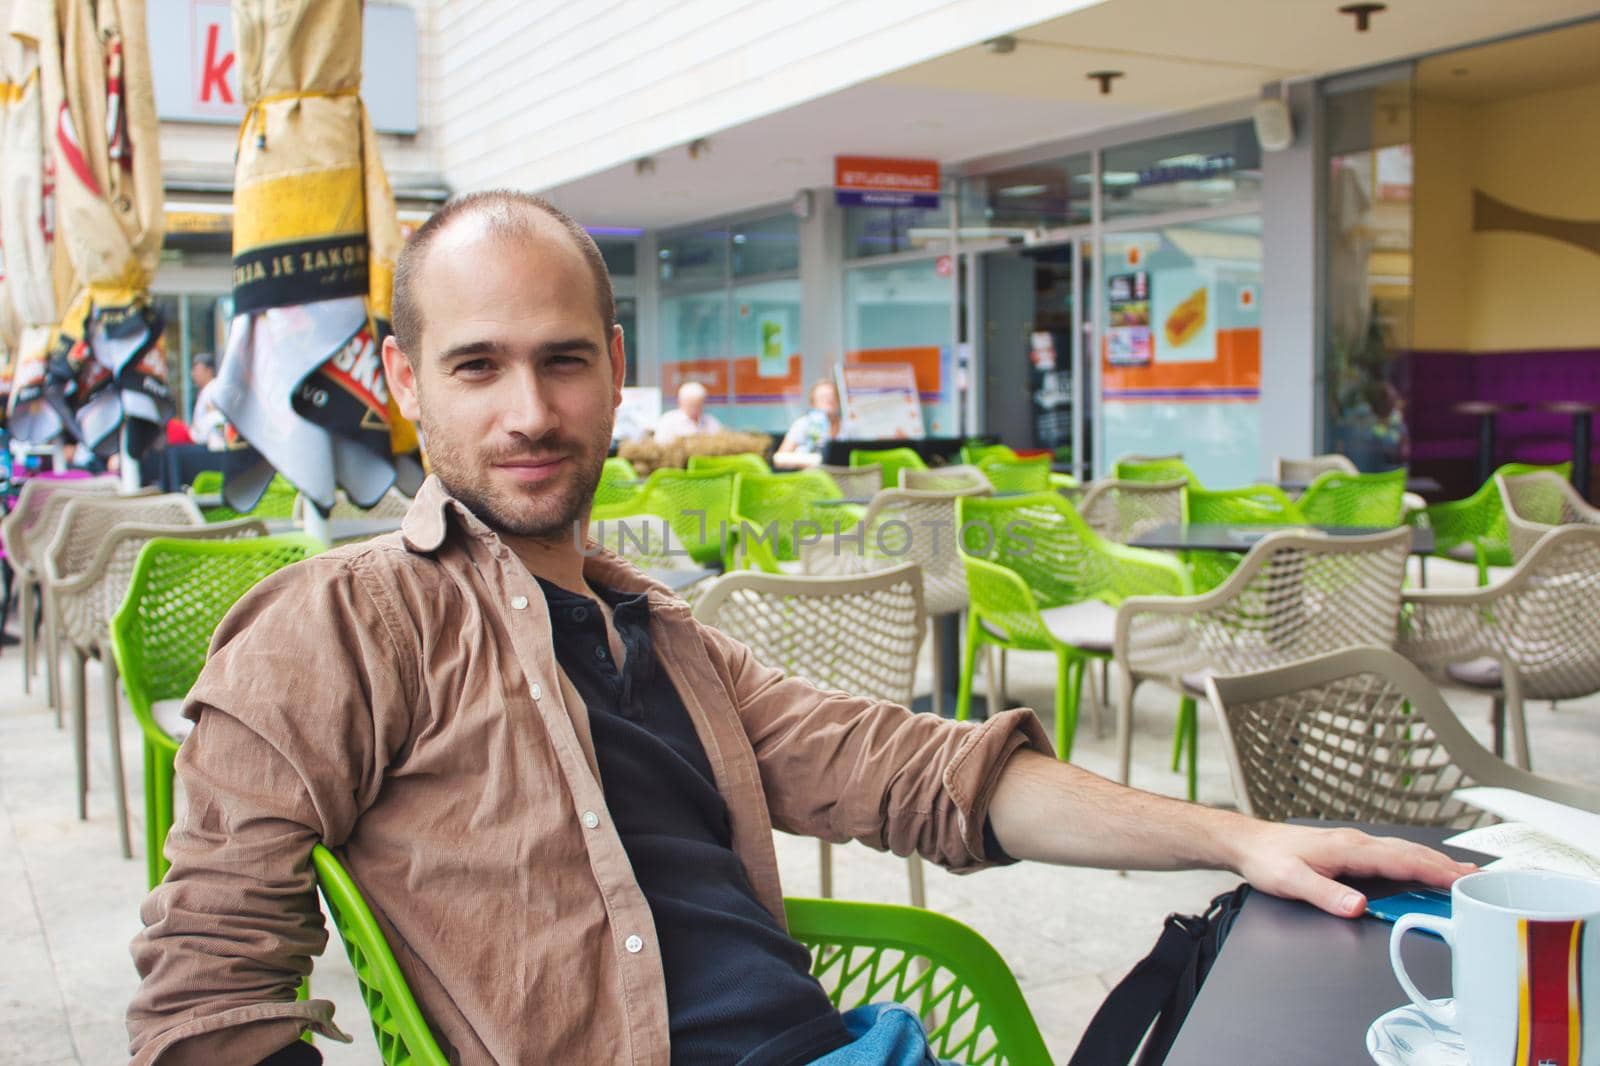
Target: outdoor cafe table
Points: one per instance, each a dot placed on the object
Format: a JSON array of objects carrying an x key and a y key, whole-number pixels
[
  {"x": 680, "y": 579},
  {"x": 340, "y": 529},
  {"x": 1225, "y": 538},
  {"x": 1422, "y": 486},
  {"x": 1295, "y": 985}
]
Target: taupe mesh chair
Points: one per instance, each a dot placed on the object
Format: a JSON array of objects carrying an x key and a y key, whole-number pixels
[
  {"x": 1537, "y": 503},
  {"x": 856, "y": 482},
  {"x": 1122, "y": 510},
  {"x": 857, "y": 634},
  {"x": 1360, "y": 735},
  {"x": 27, "y": 532},
  {"x": 1533, "y": 635},
  {"x": 954, "y": 478},
  {"x": 392, "y": 504},
  {"x": 1307, "y": 470},
  {"x": 1295, "y": 595},
  {"x": 87, "y": 574}
]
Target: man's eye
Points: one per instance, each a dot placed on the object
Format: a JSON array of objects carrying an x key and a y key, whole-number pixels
[{"x": 474, "y": 366}]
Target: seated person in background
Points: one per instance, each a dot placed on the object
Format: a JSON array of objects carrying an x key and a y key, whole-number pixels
[
  {"x": 689, "y": 417},
  {"x": 555, "y": 787},
  {"x": 209, "y": 425},
  {"x": 802, "y": 445}
]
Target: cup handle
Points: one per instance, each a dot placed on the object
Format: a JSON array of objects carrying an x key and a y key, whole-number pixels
[{"x": 1441, "y": 1012}]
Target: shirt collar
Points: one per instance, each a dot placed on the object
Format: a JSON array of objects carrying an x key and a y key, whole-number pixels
[{"x": 427, "y": 525}]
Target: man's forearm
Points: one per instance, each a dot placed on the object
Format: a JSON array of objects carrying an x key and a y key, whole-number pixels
[{"x": 1052, "y": 811}]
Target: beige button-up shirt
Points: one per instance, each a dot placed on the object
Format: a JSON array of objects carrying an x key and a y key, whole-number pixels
[{"x": 400, "y": 702}]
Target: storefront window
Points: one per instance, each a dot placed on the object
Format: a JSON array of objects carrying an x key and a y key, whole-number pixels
[
  {"x": 766, "y": 246},
  {"x": 622, "y": 263},
  {"x": 1368, "y": 274},
  {"x": 902, "y": 314},
  {"x": 694, "y": 255},
  {"x": 1211, "y": 168},
  {"x": 1181, "y": 354},
  {"x": 1039, "y": 196},
  {"x": 870, "y": 231}
]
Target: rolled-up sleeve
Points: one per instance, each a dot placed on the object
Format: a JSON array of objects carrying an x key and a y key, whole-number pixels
[
  {"x": 285, "y": 753},
  {"x": 843, "y": 768}
]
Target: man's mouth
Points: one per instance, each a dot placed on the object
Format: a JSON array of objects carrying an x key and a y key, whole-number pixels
[{"x": 532, "y": 469}]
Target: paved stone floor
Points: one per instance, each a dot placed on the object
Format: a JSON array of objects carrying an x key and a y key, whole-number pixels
[{"x": 69, "y": 902}]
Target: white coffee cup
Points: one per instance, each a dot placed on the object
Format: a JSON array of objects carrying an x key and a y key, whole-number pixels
[{"x": 1525, "y": 967}]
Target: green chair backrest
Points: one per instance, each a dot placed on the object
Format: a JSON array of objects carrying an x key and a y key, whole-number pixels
[
  {"x": 770, "y": 510},
  {"x": 404, "y": 1038},
  {"x": 1336, "y": 498},
  {"x": 944, "y": 971},
  {"x": 1480, "y": 519},
  {"x": 206, "y": 483},
  {"x": 1155, "y": 468},
  {"x": 893, "y": 460},
  {"x": 1252, "y": 505},
  {"x": 697, "y": 505},
  {"x": 978, "y": 454},
  {"x": 742, "y": 463},
  {"x": 276, "y": 502},
  {"x": 1018, "y": 475},
  {"x": 615, "y": 478},
  {"x": 180, "y": 591}
]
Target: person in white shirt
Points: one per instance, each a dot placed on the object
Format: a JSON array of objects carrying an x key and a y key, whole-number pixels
[
  {"x": 689, "y": 417},
  {"x": 209, "y": 425}
]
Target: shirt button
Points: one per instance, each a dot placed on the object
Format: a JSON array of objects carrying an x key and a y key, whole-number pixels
[
  {"x": 538, "y": 693},
  {"x": 599, "y": 651},
  {"x": 519, "y": 603},
  {"x": 580, "y": 613},
  {"x": 590, "y": 819},
  {"x": 634, "y": 945}
]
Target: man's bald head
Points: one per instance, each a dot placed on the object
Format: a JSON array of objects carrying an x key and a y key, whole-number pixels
[{"x": 507, "y": 214}]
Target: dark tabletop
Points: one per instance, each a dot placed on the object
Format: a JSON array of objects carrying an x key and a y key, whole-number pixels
[
  {"x": 1571, "y": 407},
  {"x": 1422, "y": 486},
  {"x": 340, "y": 529},
  {"x": 1295, "y": 985},
  {"x": 1487, "y": 407},
  {"x": 842, "y": 501},
  {"x": 1225, "y": 538}
]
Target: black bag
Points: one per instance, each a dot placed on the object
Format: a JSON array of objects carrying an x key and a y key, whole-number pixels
[{"x": 1160, "y": 989}]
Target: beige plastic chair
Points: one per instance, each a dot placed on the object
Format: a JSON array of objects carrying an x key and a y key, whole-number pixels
[
  {"x": 857, "y": 634},
  {"x": 1533, "y": 635},
  {"x": 1295, "y": 595},
  {"x": 27, "y": 532},
  {"x": 1360, "y": 735},
  {"x": 649, "y": 543},
  {"x": 392, "y": 504},
  {"x": 1537, "y": 503},
  {"x": 87, "y": 575},
  {"x": 1120, "y": 511},
  {"x": 954, "y": 478},
  {"x": 856, "y": 482},
  {"x": 1307, "y": 470}
]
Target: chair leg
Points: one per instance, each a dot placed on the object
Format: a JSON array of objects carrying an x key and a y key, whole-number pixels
[
  {"x": 939, "y": 652},
  {"x": 152, "y": 822},
  {"x": 78, "y": 672},
  {"x": 25, "y": 620},
  {"x": 1194, "y": 752},
  {"x": 114, "y": 731},
  {"x": 1521, "y": 755},
  {"x": 163, "y": 818},
  {"x": 1004, "y": 683},
  {"x": 1179, "y": 729},
  {"x": 825, "y": 858},
  {"x": 1497, "y": 725},
  {"x": 969, "y": 666},
  {"x": 52, "y": 653},
  {"x": 1125, "y": 731},
  {"x": 919, "y": 889},
  {"x": 1103, "y": 699},
  {"x": 995, "y": 687}
]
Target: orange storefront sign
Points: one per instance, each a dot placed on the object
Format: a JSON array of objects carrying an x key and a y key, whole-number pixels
[
  {"x": 868, "y": 181},
  {"x": 926, "y": 361}
]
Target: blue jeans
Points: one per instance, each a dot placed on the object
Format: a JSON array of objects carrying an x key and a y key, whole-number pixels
[{"x": 886, "y": 1034}]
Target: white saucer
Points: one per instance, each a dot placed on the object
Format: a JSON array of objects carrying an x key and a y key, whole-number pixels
[{"x": 1407, "y": 1037}]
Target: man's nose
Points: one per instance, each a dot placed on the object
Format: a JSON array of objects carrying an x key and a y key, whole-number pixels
[{"x": 528, "y": 411}]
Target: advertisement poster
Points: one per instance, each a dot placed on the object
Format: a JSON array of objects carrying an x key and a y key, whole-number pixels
[
  {"x": 880, "y": 401},
  {"x": 1128, "y": 338},
  {"x": 772, "y": 360},
  {"x": 1185, "y": 317}
]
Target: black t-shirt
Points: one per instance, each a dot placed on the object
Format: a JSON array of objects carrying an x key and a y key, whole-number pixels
[{"x": 739, "y": 989}]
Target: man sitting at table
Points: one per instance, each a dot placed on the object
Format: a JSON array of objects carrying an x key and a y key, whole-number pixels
[
  {"x": 557, "y": 789},
  {"x": 689, "y": 417}
]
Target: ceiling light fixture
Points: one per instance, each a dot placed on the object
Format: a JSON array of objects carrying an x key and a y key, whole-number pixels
[
  {"x": 1105, "y": 78},
  {"x": 1363, "y": 14}
]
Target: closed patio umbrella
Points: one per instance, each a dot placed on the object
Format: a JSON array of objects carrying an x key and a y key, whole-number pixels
[
  {"x": 105, "y": 367},
  {"x": 315, "y": 240}
]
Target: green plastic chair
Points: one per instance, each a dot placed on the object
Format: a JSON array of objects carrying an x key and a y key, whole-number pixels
[
  {"x": 1335, "y": 498},
  {"x": 860, "y": 953},
  {"x": 742, "y": 463},
  {"x": 978, "y": 454},
  {"x": 180, "y": 591},
  {"x": 616, "y": 485},
  {"x": 944, "y": 971},
  {"x": 697, "y": 505},
  {"x": 1252, "y": 505},
  {"x": 893, "y": 460},
  {"x": 1474, "y": 530},
  {"x": 1039, "y": 579},
  {"x": 1155, "y": 468},
  {"x": 1018, "y": 475},
  {"x": 404, "y": 1038},
  {"x": 276, "y": 502},
  {"x": 773, "y": 512}
]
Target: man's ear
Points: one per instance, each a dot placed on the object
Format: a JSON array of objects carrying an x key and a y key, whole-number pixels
[
  {"x": 619, "y": 364},
  {"x": 402, "y": 379}
]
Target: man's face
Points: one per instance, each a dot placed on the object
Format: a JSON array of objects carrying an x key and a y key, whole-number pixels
[
  {"x": 692, "y": 404},
  {"x": 518, "y": 380},
  {"x": 201, "y": 375}
]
